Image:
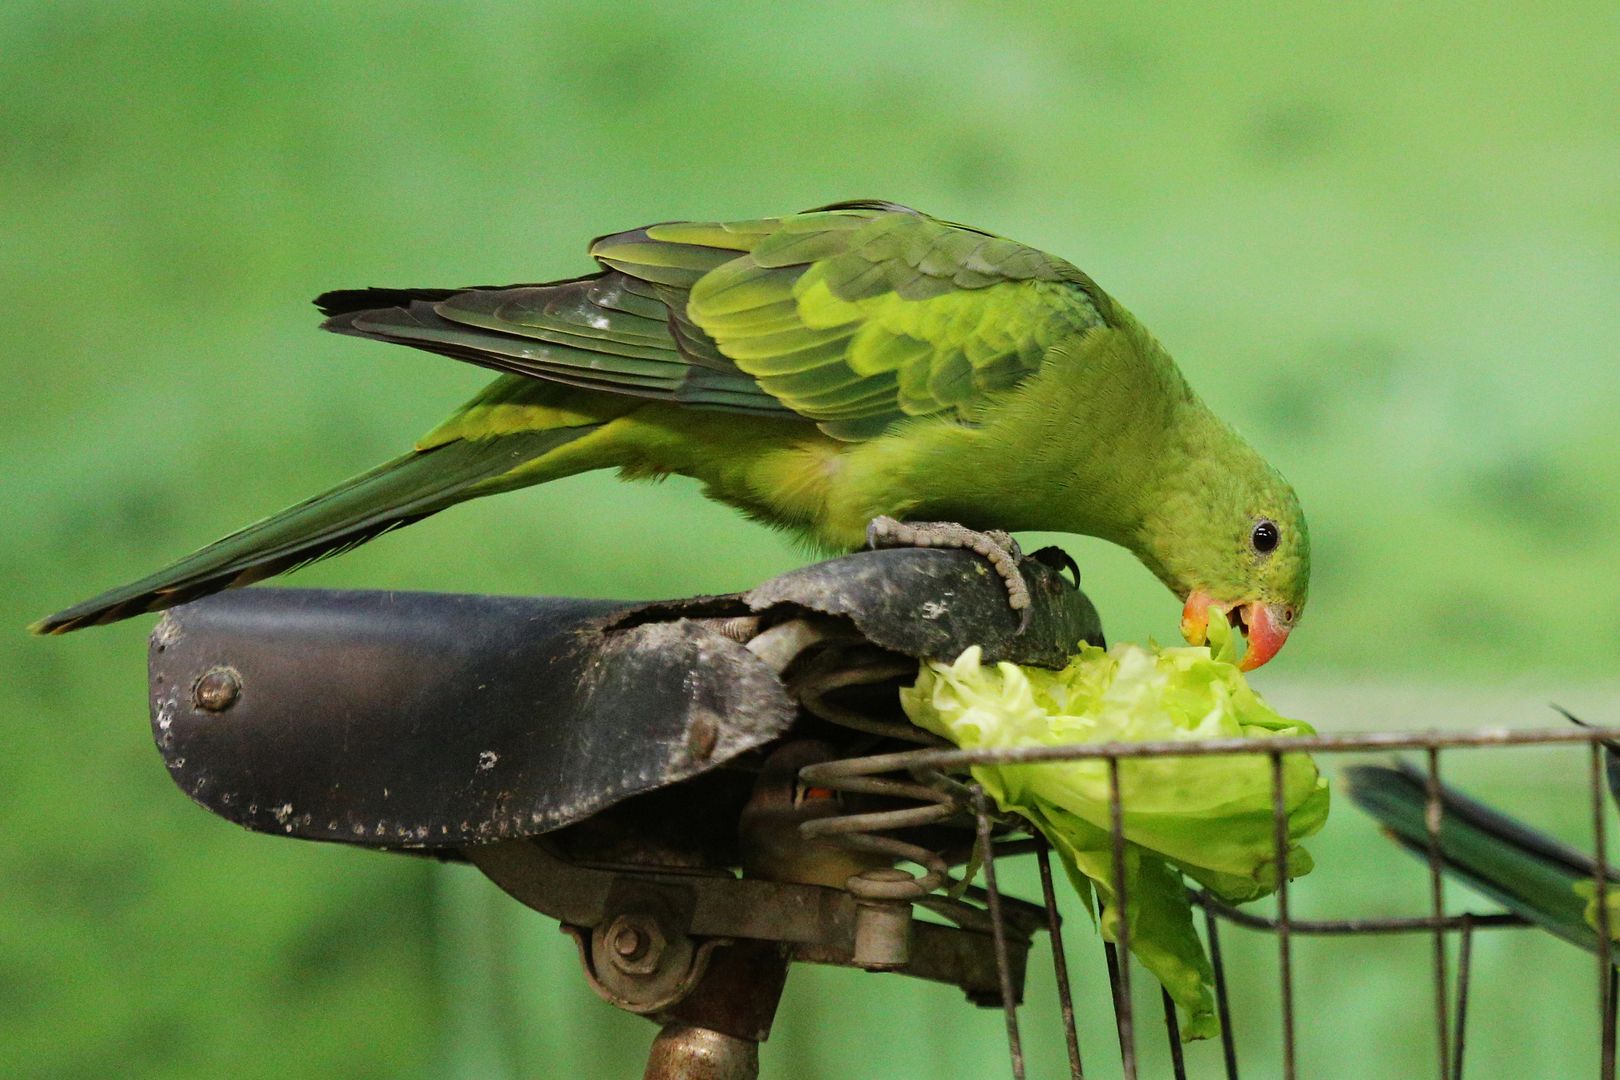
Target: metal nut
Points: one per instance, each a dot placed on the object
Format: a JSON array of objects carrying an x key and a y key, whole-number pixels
[
  {"x": 216, "y": 689},
  {"x": 635, "y": 944}
]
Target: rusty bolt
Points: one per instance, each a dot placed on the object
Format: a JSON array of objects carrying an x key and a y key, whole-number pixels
[
  {"x": 217, "y": 689},
  {"x": 635, "y": 944},
  {"x": 630, "y": 943}
]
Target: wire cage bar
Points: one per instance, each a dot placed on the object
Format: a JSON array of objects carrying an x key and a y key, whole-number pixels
[{"x": 1450, "y": 988}]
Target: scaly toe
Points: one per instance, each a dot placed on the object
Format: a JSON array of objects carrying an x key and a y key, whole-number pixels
[{"x": 997, "y": 548}]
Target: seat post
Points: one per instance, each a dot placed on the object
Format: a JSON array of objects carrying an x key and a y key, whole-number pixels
[{"x": 685, "y": 1052}]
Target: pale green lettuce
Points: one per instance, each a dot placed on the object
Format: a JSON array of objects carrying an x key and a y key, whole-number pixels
[{"x": 1207, "y": 817}]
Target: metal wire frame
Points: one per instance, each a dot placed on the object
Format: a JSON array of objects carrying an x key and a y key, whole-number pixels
[{"x": 1450, "y": 1015}]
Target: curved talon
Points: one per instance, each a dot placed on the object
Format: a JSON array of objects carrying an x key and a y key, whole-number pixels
[
  {"x": 1059, "y": 560},
  {"x": 996, "y": 547}
]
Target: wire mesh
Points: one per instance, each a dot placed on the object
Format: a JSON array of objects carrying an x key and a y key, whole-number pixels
[
  {"x": 998, "y": 932},
  {"x": 1449, "y": 997},
  {"x": 1060, "y": 963}
]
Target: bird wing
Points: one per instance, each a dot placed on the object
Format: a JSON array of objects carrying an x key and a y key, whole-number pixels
[
  {"x": 854, "y": 316},
  {"x": 606, "y": 332},
  {"x": 860, "y": 314}
]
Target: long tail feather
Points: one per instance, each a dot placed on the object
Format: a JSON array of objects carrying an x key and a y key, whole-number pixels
[{"x": 397, "y": 493}]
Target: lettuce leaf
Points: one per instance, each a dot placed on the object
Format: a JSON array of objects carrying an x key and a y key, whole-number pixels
[{"x": 1207, "y": 817}]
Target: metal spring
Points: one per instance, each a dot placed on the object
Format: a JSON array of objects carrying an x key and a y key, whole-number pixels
[
  {"x": 941, "y": 799},
  {"x": 938, "y": 797}
]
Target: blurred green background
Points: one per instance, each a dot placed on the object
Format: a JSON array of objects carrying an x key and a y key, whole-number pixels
[{"x": 1383, "y": 238}]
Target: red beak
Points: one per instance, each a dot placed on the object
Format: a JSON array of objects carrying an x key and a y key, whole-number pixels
[
  {"x": 1266, "y": 636},
  {"x": 1195, "y": 617},
  {"x": 1266, "y": 633}
]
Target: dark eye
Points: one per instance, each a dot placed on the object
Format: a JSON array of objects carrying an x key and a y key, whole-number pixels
[{"x": 1265, "y": 537}]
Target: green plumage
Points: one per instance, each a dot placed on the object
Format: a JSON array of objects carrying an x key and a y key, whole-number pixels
[
  {"x": 815, "y": 371},
  {"x": 396, "y": 493}
]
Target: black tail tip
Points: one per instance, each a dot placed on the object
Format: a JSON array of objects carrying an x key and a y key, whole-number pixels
[{"x": 349, "y": 301}]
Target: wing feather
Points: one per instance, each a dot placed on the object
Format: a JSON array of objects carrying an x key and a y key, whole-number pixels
[
  {"x": 854, "y": 316},
  {"x": 953, "y": 314},
  {"x": 556, "y": 332}
]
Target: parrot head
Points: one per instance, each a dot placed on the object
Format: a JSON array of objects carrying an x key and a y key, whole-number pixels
[
  {"x": 1261, "y": 578},
  {"x": 1235, "y": 542}
]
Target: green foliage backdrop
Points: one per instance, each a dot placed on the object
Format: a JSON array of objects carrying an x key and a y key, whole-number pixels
[{"x": 1382, "y": 238}]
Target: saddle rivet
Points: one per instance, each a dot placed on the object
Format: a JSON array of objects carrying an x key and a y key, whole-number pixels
[{"x": 216, "y": 690}]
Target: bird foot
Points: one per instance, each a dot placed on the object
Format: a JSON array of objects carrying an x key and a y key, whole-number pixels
[{"x": 997, "y": 547}]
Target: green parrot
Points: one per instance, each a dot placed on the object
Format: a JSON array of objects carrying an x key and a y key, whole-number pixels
[{"x": 857, "y": 373}]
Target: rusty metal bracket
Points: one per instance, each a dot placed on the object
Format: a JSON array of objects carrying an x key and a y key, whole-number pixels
[{"x": 820, "y": 924}]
